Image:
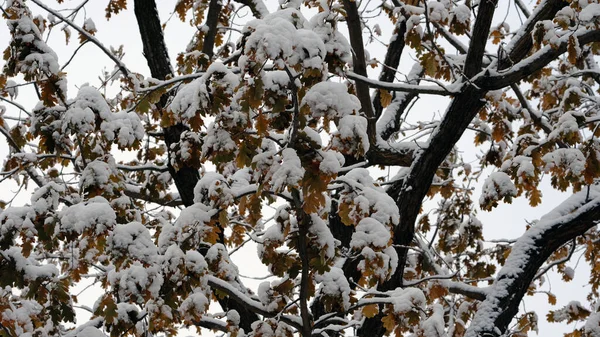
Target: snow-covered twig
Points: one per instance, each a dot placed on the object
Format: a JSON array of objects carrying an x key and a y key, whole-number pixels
[
  {"x": 410, "y": 88},
  {"x": 249, "y": 303},
  {"x": 130, "y": 168},
  {"x": 89, "y": 36},
  {"x": 211, "y": 323},
  {"x": 429, "y": 278},
  {"x": 523, "y": 8},
  {"x": 557, "y": 262},
  {"x": 168, "y": 82},
  {"x": 17, "y": 105},
  {"x": 40, "y": 181}
]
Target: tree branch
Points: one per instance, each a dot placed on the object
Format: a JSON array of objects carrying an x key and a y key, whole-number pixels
[
  {"x": 258, "y": 8},
  {"x": 212, "y": 19},
  {"x": 212, "y": 324},
  {"x": 391, "y": 62},
  {"x": 360, "y": 67},
  {"x": 409, "y": 88},
  {"x": 523, "y": 8},
  {"x": 521, "y": 43},
  {"x": 185, "y": 177},
  {"x": 573, "y": 218},
  {"x": 480, "y": 32},
  {"x": 535, "y": 62},
  {"x": 90, "y": 37},
  {"x": 389, "y": 123},
  {"x": 248, "y": 303}
]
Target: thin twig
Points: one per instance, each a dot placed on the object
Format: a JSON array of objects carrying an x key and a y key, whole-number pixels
[{"x": 83, "y": 32}]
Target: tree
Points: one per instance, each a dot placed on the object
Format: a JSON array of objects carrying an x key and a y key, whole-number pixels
[{"x": 148, "y": 191}]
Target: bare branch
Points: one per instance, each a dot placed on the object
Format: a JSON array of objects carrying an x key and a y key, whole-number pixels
[
  {"x": 212, "y": 19},
  {"x": 523, "y": 8},
  {"x": 391, "y": 62},
  {"x": 15, "y": 104},
  {"x": 481, "y": 30},
  {"x": 360, "y": 67},
  {"x": 545, "y": 269}
]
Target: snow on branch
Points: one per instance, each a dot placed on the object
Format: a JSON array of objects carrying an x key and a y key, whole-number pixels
[
  {"x": 249, "y": 303},
  {"x": 535, "y": 62},
  {"x": 83, "y": 32},
  {"x": 409, "y": 88},
  {"x": 168, "y": 82},
  {"x": 572, "y": 218}
]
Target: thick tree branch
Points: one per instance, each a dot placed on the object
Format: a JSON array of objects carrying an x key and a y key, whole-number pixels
[
  {"x": 391, "y": 62},
  {"x": 212, "y": 324},
  {"x": 157, "y": 57},
  {"x": 521, "y": 43},
  {"x": 480, "y": 32},
  {"x": 360, "y": 66},
  {"x": 135, "y": 193},
  {"x": 389, "y": 122},
  {"x": 212, "y": 19},
  {"x": 248, "y": 303},
  {"x": 575, "y": 217},
  {"x": 535, "y": 62}
]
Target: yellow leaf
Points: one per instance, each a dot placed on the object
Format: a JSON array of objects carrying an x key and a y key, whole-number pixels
[
  {"x": 344, "y": 213},
  {"x": 535, "y": 197},
  {"x": 430, "y": 64},
  {"x": 437, "y": 291},
  {"x": 573, "y": 49},
  {"x": 496, "y": 36},
  {"x": 370, "y": 310},
  {"x": 385, "y": 98},
  {"x": 389, "y": 322}
]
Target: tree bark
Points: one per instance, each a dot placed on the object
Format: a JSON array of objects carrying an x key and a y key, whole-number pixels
[
  {"x": 155, "y": 52},
  {"x": 537, "y": 244}
]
